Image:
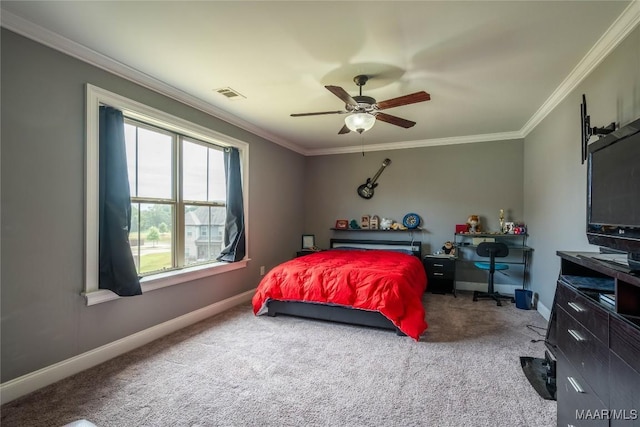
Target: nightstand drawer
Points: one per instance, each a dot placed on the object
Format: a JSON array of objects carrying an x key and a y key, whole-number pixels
[
  {"x": 447, "y": 275},
  {"x": 440, "y": 264}
]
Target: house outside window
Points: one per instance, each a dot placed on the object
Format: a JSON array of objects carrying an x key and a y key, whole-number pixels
[{"x": 210, "y": 240}]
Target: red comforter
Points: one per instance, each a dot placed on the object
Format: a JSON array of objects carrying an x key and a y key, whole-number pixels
[{"x": 386, "y": 281}]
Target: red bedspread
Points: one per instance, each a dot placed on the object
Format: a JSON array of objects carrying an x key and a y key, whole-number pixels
[{"x": 386, "y": 281}]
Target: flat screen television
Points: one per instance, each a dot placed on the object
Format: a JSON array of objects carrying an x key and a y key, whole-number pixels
[{"x": 613, "y": 192}]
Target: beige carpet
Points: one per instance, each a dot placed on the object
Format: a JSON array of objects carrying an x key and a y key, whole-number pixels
[{"x": 239, "y": 370}]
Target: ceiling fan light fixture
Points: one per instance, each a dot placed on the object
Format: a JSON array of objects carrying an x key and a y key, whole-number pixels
[{"x": 360, "y": 122}]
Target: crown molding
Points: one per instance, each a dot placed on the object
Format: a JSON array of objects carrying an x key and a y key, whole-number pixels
[
  {"x": 400, "y": 145},
  {"x": 622, "y": 26},
  {"x": 618, "y": 31},
  {"x": 55, "y": 41}
]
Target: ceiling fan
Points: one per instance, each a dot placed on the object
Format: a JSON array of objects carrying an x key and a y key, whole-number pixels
[{"x": 364, "y": 110}]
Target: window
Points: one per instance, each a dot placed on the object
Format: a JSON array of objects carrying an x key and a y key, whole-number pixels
[
  {"x": 160, "y": 201},
  {"x": 178, "y": 190}
]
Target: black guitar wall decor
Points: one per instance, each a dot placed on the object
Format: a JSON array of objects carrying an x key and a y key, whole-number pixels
[{"x": 366, "y": 190}]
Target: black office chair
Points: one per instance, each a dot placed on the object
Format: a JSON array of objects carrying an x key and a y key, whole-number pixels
[{"x": 492, "y": 250}]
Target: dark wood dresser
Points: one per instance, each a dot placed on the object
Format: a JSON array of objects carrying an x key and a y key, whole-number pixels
[{"x": 598, "y": 342}]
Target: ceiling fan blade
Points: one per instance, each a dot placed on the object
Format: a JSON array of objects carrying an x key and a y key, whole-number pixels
[
  {"x": 344, "y": 130},
  {"x": 395, "y": 120},
  {"x": 342, "y": 94},
  {"x": 404, "y": 100},
  {"x": 318, "y": 113}
]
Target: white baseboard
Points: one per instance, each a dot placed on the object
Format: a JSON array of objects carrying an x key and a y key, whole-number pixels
[
  {"x": 543, "y": 310},
  {"x": 503, "y": 289},
  {"x": 43, "y": 377},
  {"x": 482, "y": 287}
]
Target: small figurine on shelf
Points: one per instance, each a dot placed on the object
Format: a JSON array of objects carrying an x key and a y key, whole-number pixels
[
  {"x": 342, "y": 224},
  {"x": 386, "y": 223},
  {"x": 520, "y": 229},
  {"x": 501, "y": 219},
  {"x": 374, "y": 222},
  {"x": 398, "y": 226},
  {"x": 474, "y": 223},
  {"x": 449, "y": 249},
  {"x": 354, "y": 225},
  {"x": 508, "y": 227}
]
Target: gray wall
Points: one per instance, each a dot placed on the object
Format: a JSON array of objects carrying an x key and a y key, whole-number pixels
[
  {"x": 44, "y": 318},
  {"x": 442, "y": 184},
  {"x": 555, "y": 179}
]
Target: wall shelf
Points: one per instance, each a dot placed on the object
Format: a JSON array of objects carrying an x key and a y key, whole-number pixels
[{"x": 376, "y": 231}]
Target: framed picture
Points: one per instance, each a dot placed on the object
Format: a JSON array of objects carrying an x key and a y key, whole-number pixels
[
  {"x": 342, "y": 224},
  {"x": 308, "y": 241}
]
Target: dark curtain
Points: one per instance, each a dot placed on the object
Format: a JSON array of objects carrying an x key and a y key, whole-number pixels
[
  {"x": 117, "y": 268},
  {"x": 234, "y": 239}
]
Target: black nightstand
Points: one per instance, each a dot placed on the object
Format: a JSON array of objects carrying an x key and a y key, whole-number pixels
[
  {"x": 441, "y": 274},
  {"x": 304, "y": 252}
]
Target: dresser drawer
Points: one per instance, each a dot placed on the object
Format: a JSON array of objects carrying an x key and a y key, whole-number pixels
[
  {"x": 624, "y": 393},
  {"x": 589, "y": 356},
  {"x": 624, "y": 340},
  {"x": 587, "y": 312},
  {"x": 576, "y": 399}
]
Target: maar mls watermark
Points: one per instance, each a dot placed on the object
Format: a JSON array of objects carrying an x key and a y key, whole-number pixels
[{"x": 607, "y": 414}]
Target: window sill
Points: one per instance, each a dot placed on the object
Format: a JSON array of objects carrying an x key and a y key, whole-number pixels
[{"x": 163, "y": 280}]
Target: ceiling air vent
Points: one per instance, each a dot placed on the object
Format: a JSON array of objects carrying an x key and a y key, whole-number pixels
[{"x": 230, "y": 93}]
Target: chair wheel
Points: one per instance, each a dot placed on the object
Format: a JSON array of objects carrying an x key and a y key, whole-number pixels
[{"x": 513, "y": 300}]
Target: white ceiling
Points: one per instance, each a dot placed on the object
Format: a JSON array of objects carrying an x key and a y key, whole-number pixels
[{"x": 493, "y": 68}]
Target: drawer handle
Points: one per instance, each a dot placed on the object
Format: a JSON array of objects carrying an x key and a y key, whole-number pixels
[
  {"x": 438, "y": 265},
  {"x": 576, "y": 335},
  {"x": 575, "y": 385},
  {"x": 438, "y": 274},
  {"x": 576, "y": 307}
]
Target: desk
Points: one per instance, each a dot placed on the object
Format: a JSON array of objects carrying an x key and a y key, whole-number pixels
[{"x": 519, "y": 252}]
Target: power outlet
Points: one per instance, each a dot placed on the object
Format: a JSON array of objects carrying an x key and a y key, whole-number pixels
[{"x": 262, "y": 270}]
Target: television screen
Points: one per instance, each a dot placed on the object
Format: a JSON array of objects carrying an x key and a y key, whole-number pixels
[
  {"x": 613, "y": 198},
  {"x": 615, "y": 188}
]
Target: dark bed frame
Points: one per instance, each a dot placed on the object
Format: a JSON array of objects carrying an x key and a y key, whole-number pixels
[{"x": 342, "y": 314}]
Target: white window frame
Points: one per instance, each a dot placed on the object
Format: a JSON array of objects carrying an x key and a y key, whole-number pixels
[{"x": 95, "y": 97}]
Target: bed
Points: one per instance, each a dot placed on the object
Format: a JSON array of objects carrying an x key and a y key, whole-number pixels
[{"x": 376, "y": 283}]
